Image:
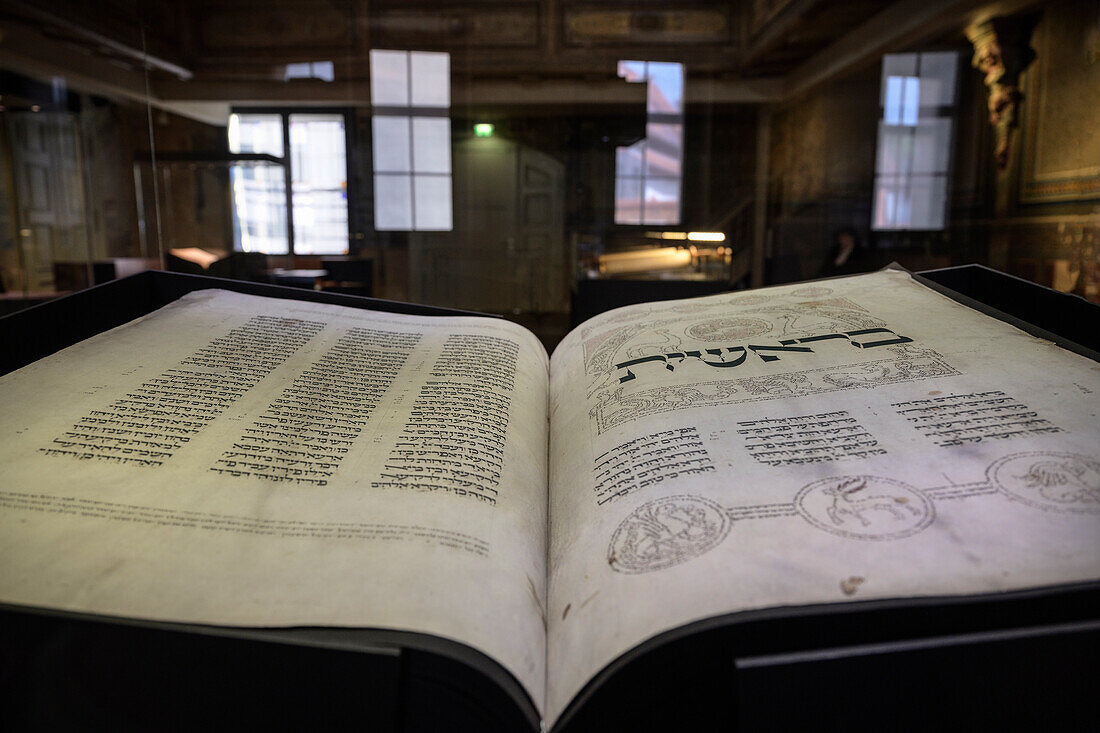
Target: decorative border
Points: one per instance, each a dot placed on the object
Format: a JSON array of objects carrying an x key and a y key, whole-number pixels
[
  {"x": 1056, "y": 188},
  {"x": 907, "y": 368}
]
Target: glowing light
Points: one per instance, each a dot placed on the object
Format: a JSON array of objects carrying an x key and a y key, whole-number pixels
[
  {"x": 484, "y": 129},
  {"x": 706, "y": 237}
]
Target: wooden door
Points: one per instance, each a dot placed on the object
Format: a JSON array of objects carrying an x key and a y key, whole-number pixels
[
  {"x": 506, "y": 253},
  {"x": 46, "y": 167}
]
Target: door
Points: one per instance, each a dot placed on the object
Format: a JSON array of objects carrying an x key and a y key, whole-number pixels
[
  {"x": 49, "y": 196},
  {"x": 506, "y": 253}
]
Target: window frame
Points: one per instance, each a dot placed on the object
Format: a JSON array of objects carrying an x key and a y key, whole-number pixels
[
  {"x": 653, "y": 118},
  {"x": 924, "y": 113},
  {"x": 288, "y": 174},
  {"x": 411, "y": 113}
]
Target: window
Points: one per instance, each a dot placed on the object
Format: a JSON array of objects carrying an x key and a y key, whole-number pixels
[
  {"x": 411, "y": 97},
  {"x": 914, "y": 141},
  {"x": 316, "y": 170},
  {"x": 648, "y": 173}
]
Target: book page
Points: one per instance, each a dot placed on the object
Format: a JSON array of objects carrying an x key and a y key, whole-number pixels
[
  {"x": 841, "y": 440},
  {"x": 237, "y": 460}
]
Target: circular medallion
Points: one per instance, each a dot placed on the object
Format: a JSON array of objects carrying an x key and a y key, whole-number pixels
[
  {"x": 865, "y": 507},
  {"x": 666, "y": 532},
  {"x": 728, "y": 329},
  {"x": 1065, "y": 482}
]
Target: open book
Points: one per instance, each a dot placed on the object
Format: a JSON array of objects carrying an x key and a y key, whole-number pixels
[{"x": 241, "y": 461}]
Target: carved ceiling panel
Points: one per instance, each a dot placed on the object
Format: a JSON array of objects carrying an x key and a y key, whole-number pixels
[
  {"x": 494, "y": 27},
  {"x": 589, "y": 27}
]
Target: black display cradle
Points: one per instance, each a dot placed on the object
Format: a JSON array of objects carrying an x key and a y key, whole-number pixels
[{"x": 1012, "y": 661}]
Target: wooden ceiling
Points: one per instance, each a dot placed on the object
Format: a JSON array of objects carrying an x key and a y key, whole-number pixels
[{"x": 503, "y": 52}]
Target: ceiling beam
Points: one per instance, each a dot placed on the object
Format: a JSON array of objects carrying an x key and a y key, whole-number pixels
[
  {"x": 903, "y": 21},
  {"x": 136, "y": 55},
  {"x": 775, "y": 30},
  {"x": 26, "y": 51},
  {"x": 496, "y": 93}
]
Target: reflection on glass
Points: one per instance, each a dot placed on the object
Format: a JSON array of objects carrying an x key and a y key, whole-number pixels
[
  {"x": 323, "y": 70},
  {"x": 663, "y": 150},
  {"x": 902, "y": 100},
  {"x": 931, "y": 145},
  {"x": 319, "y": 167},
  {"x": 937, "y": 78},
  {"x": 431, "y": 79},
  {"x": 632, "y": 71},
  {"x": 259, "y": 192},
  {"x": 417, "y": 142},
  {"x": 914, "y": 141},
  {"x": 392, "y": 151},
  {"x": 647, "y": 173},
  {"x": 628, "y": 200},
  {"x": 662, "y": 201},
  {"x": 389, "y": 78},
  {"x": 431, "y": 145},
  {"x": 665, "y": 94},
  {"x": 393, "y": 202},
  {"x": 432, "y": 203}
]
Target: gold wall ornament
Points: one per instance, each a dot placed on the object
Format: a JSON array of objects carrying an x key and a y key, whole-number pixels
[{"x": 1002, "y": 51}]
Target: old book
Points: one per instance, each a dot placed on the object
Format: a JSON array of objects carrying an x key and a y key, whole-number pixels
[{"x": 673, "y": 468}]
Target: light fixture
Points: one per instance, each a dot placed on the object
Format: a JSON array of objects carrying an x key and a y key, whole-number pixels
[
  {"x": 484, "y": 129},
  {"x": 706, "y": 237}
]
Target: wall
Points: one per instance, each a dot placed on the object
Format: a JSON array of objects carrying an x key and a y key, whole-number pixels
[
  {"x": 1051, "y": 230},
  {"x": 1038, "y": 218},
  {"x": 821, "y": 165}
]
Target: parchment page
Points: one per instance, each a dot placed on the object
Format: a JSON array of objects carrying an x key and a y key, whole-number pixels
[
  {"x": 246, "y": 461},
  {"x": 851, "y": 439}
]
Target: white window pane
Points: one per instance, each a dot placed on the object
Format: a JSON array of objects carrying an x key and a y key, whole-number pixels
[
  {"x": 259, "y": 209},
  {"x": 628, "y": 159},
  {"x": 663, "y": 149},
  {"x": 297, "y": 71},
  {"x": 431, "y": 144},
  {"x": 389, "y": 78},
  {"x": 895, "y": 150},
  {"x": 431, "y": 79},
  {"x": 932, "y": 145},
  {"x": 662, "y": 202},
  {"x": 433, "y": 203},
  {"x": 666, "y": 88},
  {"x": 392, "y": 153},
  {"x": 902, "y": 101},
  {"x": 632, "y": 71},
  {"x": 885, "y": 206},
  {"x": 393, "y": 203},
  {"x": 897, "y": 64},
  {"x": 628, "y": 200},
  {"x": 323, "y": 70},
  {"x": 892, "y": 100},
  {"x": 254, "y": 133},
  {"x": 910, "y": 104},
  {"x": 318, "y": 149},
  {"x": 319, "y": 166},
  {"x": 937, "y": 78},
  {"x": 928, "y": 195}
]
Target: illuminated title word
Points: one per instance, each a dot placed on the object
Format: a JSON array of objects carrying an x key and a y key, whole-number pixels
[{"x": 736, "y": 355}]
